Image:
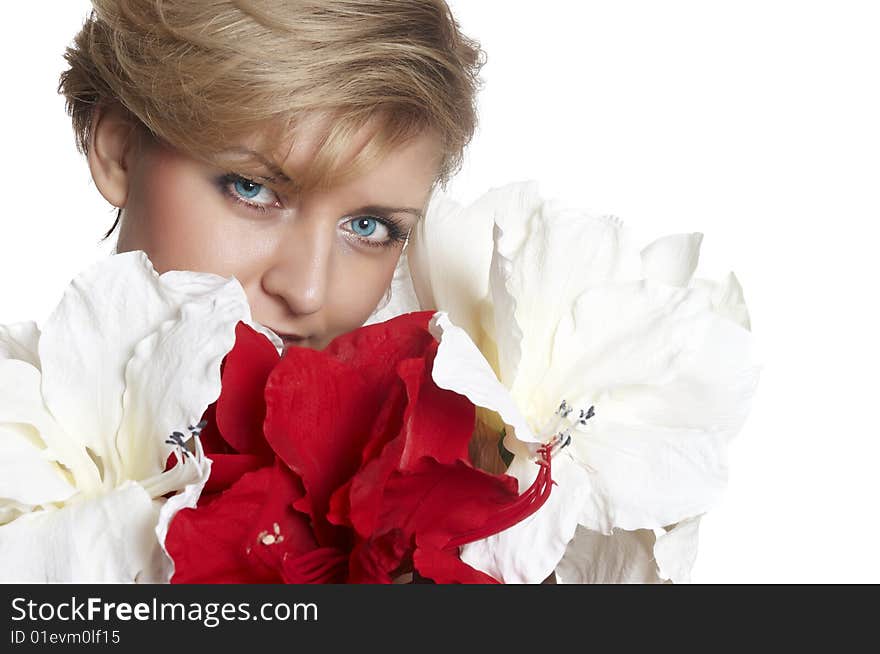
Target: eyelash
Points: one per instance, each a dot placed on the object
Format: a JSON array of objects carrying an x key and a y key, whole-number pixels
[{"x": 397, "y": 231}]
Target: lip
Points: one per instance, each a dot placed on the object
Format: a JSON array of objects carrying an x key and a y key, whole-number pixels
[{"x": 291, "y": 339}]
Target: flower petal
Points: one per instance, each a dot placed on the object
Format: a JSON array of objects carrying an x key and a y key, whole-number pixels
[
  {"x": 376, "y": 350},
  {"x": 459, "y": 366},
  {"x": 241, "y": 408},
  {"x": 657, "y": 447},
  {"x": 623, "y": 557},
  {"x": 208, "y": 544},
  {"x": 505, "y": 330},
  {"x": 709, "y": 386},
  {"x": 21, "y": 402},
  {"x": 174, "y": 374},
  {"x": 649, "y": 476},
  {"x": 27, "y": 476},
  {"x": 565, "y": 253},
  {"x": 20, "y": 341},
  {"x": 672, "y": 259},
  {"x": 436, "y": 423},
  {"x": 193, "y": 472},
  {"x": 676, "y": 550},
  {"x": 438, "y": 502},
  {"x": 530, "y": 550},
  {"x": 319, "y": 435},
  {"x": 452, "y": 273},
  {"x": 90, "y": 337},
  {"x": 279, "y": 531},
  {"x": 727, "y": 298},
  {"x": 445, "y": 567},
  {"x": 107, "y": 539}
]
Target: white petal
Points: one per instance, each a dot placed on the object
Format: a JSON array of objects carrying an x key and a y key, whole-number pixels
[
  {"x": 672, "y": 259},
  {"x": 90, "y": 337},
  {"x": 174, "y": 374},
  {"x": 21, "y": 402},
  {"x": 27, "y": 475},
  {"x": 671, "y": 381},
  {"x": 649, "y": 476},
  {"x": 630, "y": 333},
  {"x": 566, "y": 253},
  {"x": 530, "y": 550},
  {"x": 10, "y": 510},
  {"x": 20, "y": 341},
  {"x": 623, "y": 557},
  {"x": 88, "y": 340},
  {"x": 449, "y": 271},
  {"x": 198, "y": 471},
  {"x": 451, "y": 254},
  {"x": 710, "y": 385},
  {"x": 107, "y": 539},
  {"x": 507, "y": 336},
  {"x": 727, "y": 298},
  {"x": 676, "y": 550},
  {"x": 460, "y": 367}
]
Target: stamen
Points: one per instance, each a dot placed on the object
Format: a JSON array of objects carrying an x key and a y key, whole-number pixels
[
  {"x": 176, "y": 438},
  {"x": 195, "y": 431},
  {"x": 583, "y": 417},
  {"x": 270, "y": 539}
]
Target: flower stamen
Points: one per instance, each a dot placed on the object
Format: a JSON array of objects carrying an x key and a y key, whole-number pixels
[{"x": 562, "y": 438}]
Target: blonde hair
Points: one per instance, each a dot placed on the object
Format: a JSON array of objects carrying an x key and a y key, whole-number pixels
[{"x": 203, "y": 74}]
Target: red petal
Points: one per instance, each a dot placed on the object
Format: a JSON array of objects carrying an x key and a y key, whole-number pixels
[
  {"x": 226, "y": 469},
  {"x": 374, "y": 560},
  {"x": 318, "y": 415},
  {"x": 226, "y": 541},
  {"x": 437, "y": 502},
  {"x": 207, "y": 544},
  {"x": 241, "y": 408},
  {"x": 376, "y": 349},
  {"x": 212, "y": 441},
  {"x": 437, "y": 423},
  {"x": 326, "y": 565},
  {"x": 444, "y": 567},
  {"x": 279, "y": 531},
  {"x": 364, "y": 492}
]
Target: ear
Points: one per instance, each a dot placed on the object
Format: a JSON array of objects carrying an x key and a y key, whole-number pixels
[{"x": 110, "y": 140}]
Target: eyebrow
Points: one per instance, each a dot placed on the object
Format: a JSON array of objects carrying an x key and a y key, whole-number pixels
[
  {"x": 278, "y": 176},
  {"x": 383, "y": 210}
]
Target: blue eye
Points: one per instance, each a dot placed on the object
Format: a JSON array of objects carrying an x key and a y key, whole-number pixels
[
  {"x": 364, "y": 226},
  {"x": 247, "y": 189}
]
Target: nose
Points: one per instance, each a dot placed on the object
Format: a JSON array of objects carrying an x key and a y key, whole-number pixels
[{"x": 299, "y": 270}]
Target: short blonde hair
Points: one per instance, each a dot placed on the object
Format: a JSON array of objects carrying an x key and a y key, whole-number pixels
[{"x": 202, "y": 74}]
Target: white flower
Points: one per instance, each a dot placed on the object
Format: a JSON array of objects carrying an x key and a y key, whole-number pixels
[
  {"x": 654, "y": 368},
  {"x": 88, "y": 412}
]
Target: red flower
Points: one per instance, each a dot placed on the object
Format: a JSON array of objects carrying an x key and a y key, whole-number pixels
[{"x": 342, "y": 465}]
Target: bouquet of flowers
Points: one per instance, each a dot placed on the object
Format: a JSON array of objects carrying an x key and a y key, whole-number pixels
[{"x": 544, "y": 399}]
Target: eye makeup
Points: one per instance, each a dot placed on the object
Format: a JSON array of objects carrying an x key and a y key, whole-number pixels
[{"x": 362, "y": 224}]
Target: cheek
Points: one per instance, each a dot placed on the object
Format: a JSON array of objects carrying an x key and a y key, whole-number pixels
[
  {"x": 182, "y": 222},
  {"x": 359, "y": 284}
]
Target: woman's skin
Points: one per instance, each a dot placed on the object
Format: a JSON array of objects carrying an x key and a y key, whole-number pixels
[{"x": 314, "y": 265}]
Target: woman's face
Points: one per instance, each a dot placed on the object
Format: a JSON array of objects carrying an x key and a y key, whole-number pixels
[{"x": 314, "y": 265}]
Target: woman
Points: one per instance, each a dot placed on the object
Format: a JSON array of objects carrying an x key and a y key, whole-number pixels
[{"x": 292, "y": 145}]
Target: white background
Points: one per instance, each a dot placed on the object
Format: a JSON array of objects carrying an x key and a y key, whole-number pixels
[{"x": 754, "y": 122}]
